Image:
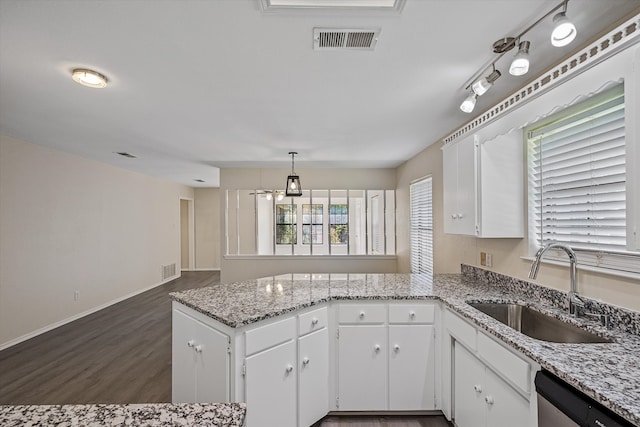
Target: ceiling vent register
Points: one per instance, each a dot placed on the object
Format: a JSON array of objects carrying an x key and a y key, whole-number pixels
[{"x": 341, "y": 39}]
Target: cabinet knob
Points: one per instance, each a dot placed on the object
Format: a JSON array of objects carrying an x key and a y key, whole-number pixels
[
  {"x": 289, "y": 369},
  {"x": 362, "y": 314},
  {"x": 305, "y": 361},
  {"x": 314, "y": 322},
  {"x": 396, "y": 348},
  {"x": 460, "y": 216},
  {"x": 412, "y": 314},
  {"x": 198, "y": 349},
  {"x": 191, "y": 343},
  {"x": 377, "y": 348},
  {"x": 454, "y": 216},
  {"x": 489, "y": 400},
  {"x": 477, "y": 388}
]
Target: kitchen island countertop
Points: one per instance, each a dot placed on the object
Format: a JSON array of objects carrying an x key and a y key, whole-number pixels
[
  {"x": 135, "y": 415},
  {"x": 609, "y": 373}
]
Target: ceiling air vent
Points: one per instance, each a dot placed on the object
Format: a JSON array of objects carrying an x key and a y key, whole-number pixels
[{"x": 340, "y": 39}]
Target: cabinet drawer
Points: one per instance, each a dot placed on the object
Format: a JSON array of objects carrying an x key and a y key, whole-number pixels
[
  {"x": 460, "y": 329},
  {"x": 362, "y": 313},
  {"x": 267, "y": 336},
  {"x": 414, "y": 313},
  {"x": 501, "y": 360},
  {"x": 312, "y": 321}
]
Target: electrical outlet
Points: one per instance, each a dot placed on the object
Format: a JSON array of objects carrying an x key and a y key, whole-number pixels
[
  {"x": 76, "y": 295},
  {"x": 489, "y": 260},
  {"x": 486, "y": 259}
]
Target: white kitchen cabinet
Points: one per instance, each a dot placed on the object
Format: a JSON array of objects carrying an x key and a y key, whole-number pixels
[
  {"x": 362, "y": 366},
  {"x": 482, "y": 398},
  {"x": 411, "y": 367},
  {"x": 270, "y": 382},
  {"x": 200, "y": 361},
  {"x": 313, "y": 383},
  {"x": 483, "y": 186}
]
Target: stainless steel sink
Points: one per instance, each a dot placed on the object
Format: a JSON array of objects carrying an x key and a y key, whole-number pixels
[{"x": 537, "y": 325}]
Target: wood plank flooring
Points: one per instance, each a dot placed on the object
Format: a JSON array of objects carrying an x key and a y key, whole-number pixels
[{"x": 122, "y": 354}]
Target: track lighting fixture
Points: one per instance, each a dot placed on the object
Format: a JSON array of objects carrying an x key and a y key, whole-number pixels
[
  {"x": 564, "y": 32},
  {"x": 469, "y": 103},
  {"x": 481, "y": 86},
  {"x": 520, "y": 63}
]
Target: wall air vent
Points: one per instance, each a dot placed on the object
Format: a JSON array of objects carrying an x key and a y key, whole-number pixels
[
  {"x": 168, "y": 271},
  {"x": 341, "y": 39}
]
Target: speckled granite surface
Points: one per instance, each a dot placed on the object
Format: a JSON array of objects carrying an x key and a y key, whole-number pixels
[
  {"x": 147, "y": 415},
  {"x": 609, "y": 373}
]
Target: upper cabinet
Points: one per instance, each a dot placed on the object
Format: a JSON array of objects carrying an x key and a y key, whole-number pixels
[{"x": 483, "y": 187}]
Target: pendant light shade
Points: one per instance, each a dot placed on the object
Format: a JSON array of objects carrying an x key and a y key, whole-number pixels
[
  {"x": 484, "y": 84},
  {"x": 293, "y": 188}
]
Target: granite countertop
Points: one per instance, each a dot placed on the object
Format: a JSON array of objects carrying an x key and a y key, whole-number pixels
[
  {"x": 609, "y": 373},
  {"x": 139, "y": 415}
]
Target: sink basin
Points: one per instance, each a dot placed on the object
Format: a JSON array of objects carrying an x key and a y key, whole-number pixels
[{"x": 537, "y": 325}]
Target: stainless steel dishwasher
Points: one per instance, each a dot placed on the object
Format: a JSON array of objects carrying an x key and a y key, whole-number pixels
[{"x": 561, "y": 405}]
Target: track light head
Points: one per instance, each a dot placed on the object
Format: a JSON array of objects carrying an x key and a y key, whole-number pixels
[
  {"x": 485, "y": 83},
  {"x": 520, "y": 63},
  {"x": 563, "y": 30},
  {"x": 469, "y": 103}
]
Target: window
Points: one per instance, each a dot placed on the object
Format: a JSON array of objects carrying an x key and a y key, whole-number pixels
[
  {"x": 286, "y": 225},
  {"x": 339, "y": 224},
  {"x": 312, "y": 224},
  {"x": 421, "y": 232},
  {"x": 318, "y": 223},
  {"x": 577, "y": 182}
]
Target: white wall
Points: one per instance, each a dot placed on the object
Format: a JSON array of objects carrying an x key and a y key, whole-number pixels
[
  {"x": 234, "y": 268},
  {"x": 450, "y": 251},
  {"x": 70, "y": 224},
  {"x": 207, "y": 232}
]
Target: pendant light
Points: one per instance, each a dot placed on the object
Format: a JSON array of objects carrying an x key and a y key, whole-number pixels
[{"x": 293, "y": 181}]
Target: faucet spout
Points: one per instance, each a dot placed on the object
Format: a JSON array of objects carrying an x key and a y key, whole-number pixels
[{"x": 575, "y": 301}]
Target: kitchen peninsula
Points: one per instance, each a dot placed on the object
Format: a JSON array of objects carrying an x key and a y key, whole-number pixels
[{"x": 267, "y": 323}]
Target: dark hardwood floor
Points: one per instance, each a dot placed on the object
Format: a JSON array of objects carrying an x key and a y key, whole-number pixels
[{"x": 122, "y": 354}]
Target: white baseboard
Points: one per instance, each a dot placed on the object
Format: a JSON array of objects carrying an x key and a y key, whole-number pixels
[
  {"x": 200, "y": 269},
  {"x": 52, "y": 326}
]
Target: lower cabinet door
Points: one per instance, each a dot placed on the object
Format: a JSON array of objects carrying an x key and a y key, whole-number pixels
[
  {"x": 183, "y": 358},
  {"x": 505, "y": 407},
  {"x": 212, "y": 364},
  {"x": 411, "y": 367},
  {"x": 362, "y": 368},
  {"x": 270, "y": 387},
  {"x": 313, "y": 364},
  {"x": 469, "y": 390}
]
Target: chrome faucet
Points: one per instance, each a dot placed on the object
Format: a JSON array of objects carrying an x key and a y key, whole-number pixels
[{"x": 575, "y": 302}]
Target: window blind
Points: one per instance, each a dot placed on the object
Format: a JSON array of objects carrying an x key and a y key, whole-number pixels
[
  {"x": 421, "y": 219},
  {"x": 577, "y": 181}
]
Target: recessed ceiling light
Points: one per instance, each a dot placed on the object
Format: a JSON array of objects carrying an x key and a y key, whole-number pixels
[{"x": 89, "y": 78}]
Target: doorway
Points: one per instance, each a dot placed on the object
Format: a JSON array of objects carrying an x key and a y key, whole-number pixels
[{"x": 187, "y": 235}]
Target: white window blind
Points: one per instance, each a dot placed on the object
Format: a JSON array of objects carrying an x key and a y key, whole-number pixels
[
  {"x": 577, "y": 182},
  {"x": 421, "y": 234}
]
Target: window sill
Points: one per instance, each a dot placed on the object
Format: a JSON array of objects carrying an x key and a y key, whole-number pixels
[
  {"x": 318, "y": 257},
  {"x": 590, "y": 268}
]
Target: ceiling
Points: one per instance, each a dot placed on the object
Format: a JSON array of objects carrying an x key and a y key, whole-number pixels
[{"x": 199, "y": 85}]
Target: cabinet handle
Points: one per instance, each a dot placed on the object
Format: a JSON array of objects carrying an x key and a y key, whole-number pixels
[
  {"x": 305, "y": 361},
  {"x": 477, "y": 388},
  {"x": 289, "y": 369},
  {"x": 396, "y": 348},
  {"x": 198, "y": 349},
  {"x": 412, "y": 315},
  {"x": 377, "y": 348},
  {"x": 314, "y": 322},
  {"x": 489, "y": 400},
  {"x": 362, "y": 314},
  {"x": 191, "y": 343}
]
